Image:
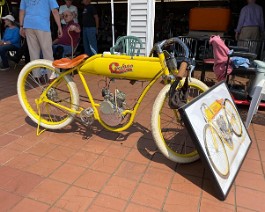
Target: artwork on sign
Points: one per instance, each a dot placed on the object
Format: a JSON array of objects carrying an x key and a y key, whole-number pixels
[{"x": 219, "y": 134}]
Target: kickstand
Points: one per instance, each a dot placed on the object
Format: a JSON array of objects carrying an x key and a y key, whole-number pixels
[{"x": 39, "y": 131}]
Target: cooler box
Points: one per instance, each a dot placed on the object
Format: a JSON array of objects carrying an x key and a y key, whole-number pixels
[{"x": 209, "y": 19}]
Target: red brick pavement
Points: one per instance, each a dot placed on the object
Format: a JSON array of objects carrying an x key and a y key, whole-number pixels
[{"x": 91, "y": 169}]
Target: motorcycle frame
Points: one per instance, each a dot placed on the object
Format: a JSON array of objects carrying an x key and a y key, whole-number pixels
[{"x": 163, "y": 72}]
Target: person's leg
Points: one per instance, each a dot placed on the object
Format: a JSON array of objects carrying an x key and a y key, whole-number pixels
[
  {"x": 26, "y": 54},
  {"x": 67, "y": 50},
  {"x": 249, "y": 37},
  {"x": 87, "y": 49},
  {"x": 249, "y": 33},
  {"x": 3, "y": 54},
  {"x": 58, "y": 51},
  {"x": 92, "y": 38},
  {"x": 54, "y": 47},
  {"x": 33, "y": 44},
  {"x": 45, "y": 40}
]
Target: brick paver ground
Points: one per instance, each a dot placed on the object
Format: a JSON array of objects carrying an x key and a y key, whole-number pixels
[{"x": 90, "y": 169}]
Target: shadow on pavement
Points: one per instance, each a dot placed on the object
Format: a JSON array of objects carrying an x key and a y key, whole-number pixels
[{"x": 8, "y": 83}]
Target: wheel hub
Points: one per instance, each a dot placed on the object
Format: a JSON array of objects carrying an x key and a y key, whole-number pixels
[{"x": 52, "y": 95}]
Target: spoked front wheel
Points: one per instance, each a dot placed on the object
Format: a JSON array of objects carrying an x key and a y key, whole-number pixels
[
  {"x": 216, "y": 151},
  {"x": 169, "y": 131},
  {"x": 54, "y": 110}
]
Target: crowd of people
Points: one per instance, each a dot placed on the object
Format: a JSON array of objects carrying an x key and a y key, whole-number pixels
[
  {"x": 32, "y": 35},
  {"x": 35, "y": 30}
]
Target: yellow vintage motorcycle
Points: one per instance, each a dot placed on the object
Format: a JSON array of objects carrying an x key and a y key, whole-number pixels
[{"x": 49, "y": 94}]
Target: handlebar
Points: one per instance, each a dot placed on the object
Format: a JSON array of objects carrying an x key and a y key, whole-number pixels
[
  {"x": 158, "y": 47},
  {"x": 182, "y": 69}
]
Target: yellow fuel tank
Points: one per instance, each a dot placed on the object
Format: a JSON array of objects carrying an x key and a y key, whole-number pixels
[
  {"x": 122, "y": 66},
  {"x": 213, "y": 109}
]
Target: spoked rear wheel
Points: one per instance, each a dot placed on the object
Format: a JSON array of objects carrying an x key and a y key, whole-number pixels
[
  {"x": 51, "y": 113},
  {"x": 233, "y": 117},
  {"x": 169, "y": 132}
]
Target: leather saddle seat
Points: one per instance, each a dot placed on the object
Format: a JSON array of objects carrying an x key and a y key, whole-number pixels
[{"x": 67, "y": 63}]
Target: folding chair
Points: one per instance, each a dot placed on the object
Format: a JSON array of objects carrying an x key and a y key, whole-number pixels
[
  {"x": 253, "y": 46},
  {"x": 129, "y": 45},
  {"x": 191, "y": 44},
  {"x": 241, "y": 90}
]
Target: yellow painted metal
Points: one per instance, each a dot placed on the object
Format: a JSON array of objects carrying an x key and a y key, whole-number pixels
[
  {"x": 163, "y": 63},
  {"x": 132, "y": 68},
  {"x": 43, "y": 98},
  {"x": 122, "y": 66},
  {"x": 178, "y": 118},
  {"x": 213, "y": 109},
  {"x": 131, "y": 112}
]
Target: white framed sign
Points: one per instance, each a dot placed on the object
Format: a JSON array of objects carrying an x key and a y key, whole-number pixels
[{"x": 219, "y": 134}]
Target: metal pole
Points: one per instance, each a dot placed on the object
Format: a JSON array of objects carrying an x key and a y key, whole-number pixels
[{"x": 112, "y": 22}]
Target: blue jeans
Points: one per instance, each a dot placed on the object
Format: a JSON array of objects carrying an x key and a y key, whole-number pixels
[
  {"x": 3, "y": 53},
  {"x": 67, "y": 50},
  {"x": 90, "y": 40}
]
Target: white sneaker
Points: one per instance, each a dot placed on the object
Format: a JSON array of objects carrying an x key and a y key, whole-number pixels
[{"x": 53, "y": 76}]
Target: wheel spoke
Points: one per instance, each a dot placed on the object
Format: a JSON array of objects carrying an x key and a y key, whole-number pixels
[
  {"x": 216, "y": 150},
  {"x": 233, "y": 118},
  {"x": 54, "y": 102},
  {"x": 173, "y": 138}
]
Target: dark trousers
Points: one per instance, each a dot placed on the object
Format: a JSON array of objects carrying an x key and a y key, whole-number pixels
[{"x": 3, "y": 53}]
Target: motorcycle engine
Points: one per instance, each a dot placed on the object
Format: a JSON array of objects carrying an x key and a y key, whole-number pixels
[{"x": 112, "y": 106}]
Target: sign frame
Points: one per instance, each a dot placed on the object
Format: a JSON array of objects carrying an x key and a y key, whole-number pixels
[{"x": 219, "y": 135}]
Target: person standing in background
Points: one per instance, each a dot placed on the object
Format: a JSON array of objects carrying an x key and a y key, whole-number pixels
[
  {"x": 34, "y": 19},
  {"x": 250, "y": 23},
  {"x": 90, "y": 28},
  {"x": 68, "y": 6}
]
